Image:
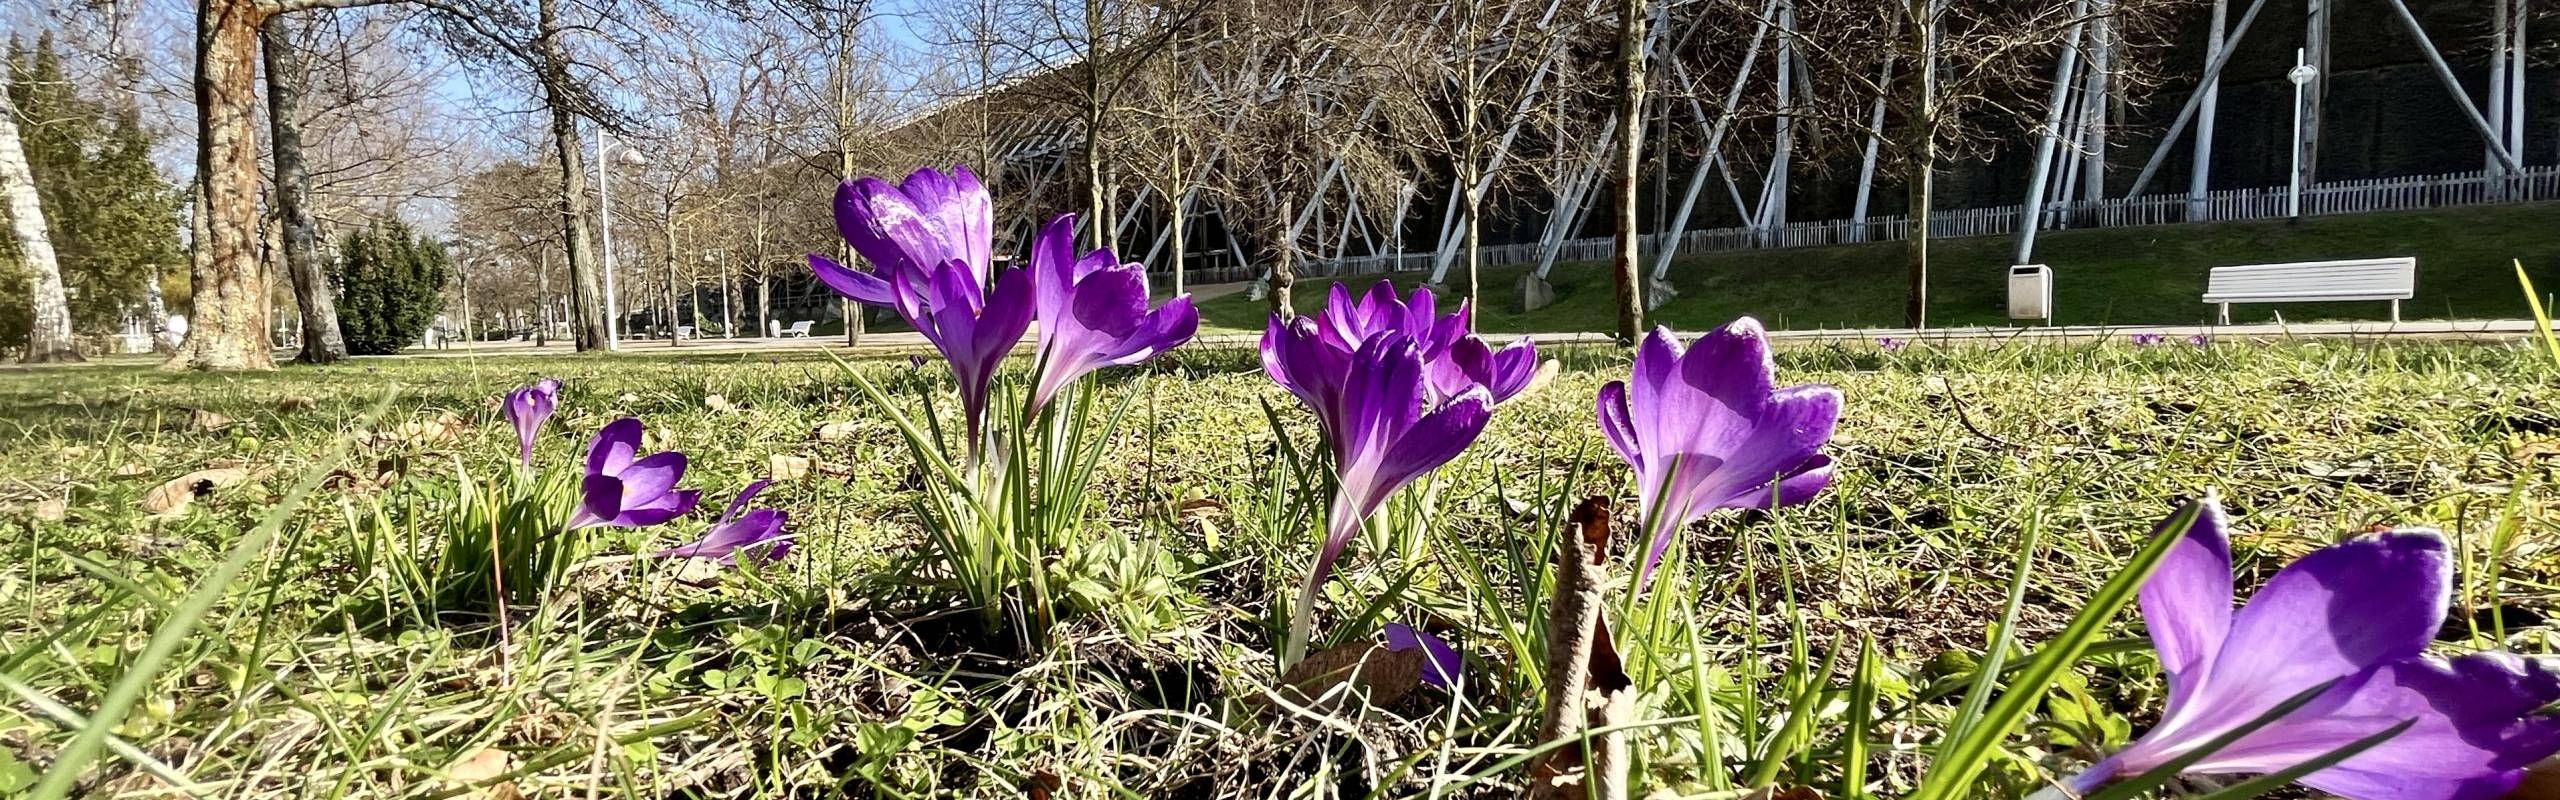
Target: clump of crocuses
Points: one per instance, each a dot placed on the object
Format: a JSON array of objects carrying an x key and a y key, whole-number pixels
[
  {"x": 2356, "y": 618},
  {"x": 1707, "y": 429},
  {"x": 1398, "y": 390},
  {"x": 997, "y": 513}
]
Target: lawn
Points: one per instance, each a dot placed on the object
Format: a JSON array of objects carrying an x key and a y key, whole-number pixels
[
  {"x": 2107, "y": 276},
  {"x": 849, "y": 669}
]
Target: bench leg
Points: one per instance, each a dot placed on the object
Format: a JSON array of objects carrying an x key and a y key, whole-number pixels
[
  {"x": 2226, "y": 314},
  {"x": 2395, "y": 312}
]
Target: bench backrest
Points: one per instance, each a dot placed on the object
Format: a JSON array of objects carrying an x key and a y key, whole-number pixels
[
  {"x": 2375, "y": 277},
  {"x": 801, "y": 326}
]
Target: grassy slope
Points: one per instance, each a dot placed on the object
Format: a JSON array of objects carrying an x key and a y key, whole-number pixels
[{"x": 2148, "y": 275}]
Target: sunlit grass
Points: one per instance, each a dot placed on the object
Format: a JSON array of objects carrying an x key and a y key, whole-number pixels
[{"x": 1824, "y": 646}]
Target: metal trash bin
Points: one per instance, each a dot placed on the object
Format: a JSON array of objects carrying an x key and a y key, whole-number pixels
[{"x": 2031, "y": 292}]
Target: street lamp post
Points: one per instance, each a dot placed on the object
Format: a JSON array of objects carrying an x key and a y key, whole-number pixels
[
  {"x": 2301, "y": 75},
  {"x": 604, "y": 200}
]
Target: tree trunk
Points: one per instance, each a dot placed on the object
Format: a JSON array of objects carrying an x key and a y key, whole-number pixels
[
  {"x": 1924, "y": 164},
  {"x": 321, "y": 341},
  {"x": 1178, "y": 284},
  {"x": 227, "y": 328},
  {"x": 1630, "y": 150},
  {"x": 49, "y": 338},
  {"x": 1284, "y": 268},
  {"x": 586, "y": 281}
]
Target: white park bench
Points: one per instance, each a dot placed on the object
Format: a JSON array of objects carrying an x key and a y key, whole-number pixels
[
  {"x": 799, "y": 330},
  {"x": 684, "y": 331},
  {"x": 2393, "y": 279}
]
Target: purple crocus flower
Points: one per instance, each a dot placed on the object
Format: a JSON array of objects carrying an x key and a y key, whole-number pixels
[
  {"x": 627, "y": 492},
  {"x": 1441, "y": 663},
  {"x": 973, "y": 327},
  {"x": 2199, "y": 340},
  {"x": 2360, "y": 613},
  {"x": 2149, "y": 339},
  {"x": 931, "y": 219},
  {"x": 1093, "y": 312},
  {"x": 931, "y": 241},
  {"x": 1890, "y": 344},
  {"x": 1383, "y": 422},
  {"x": 1706, "y": 430},
  {"x": 756, "y": 533},
  {"x": 527, "y": 408},
  {"x": 1458, "y": 359}
]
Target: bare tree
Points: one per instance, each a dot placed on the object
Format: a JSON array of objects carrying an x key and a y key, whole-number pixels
[
  {"x": 286, "y": 76},
  {"x": 1630, "y": 154}
]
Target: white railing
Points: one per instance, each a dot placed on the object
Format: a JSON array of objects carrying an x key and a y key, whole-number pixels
[{"x": 2534, "y": 184}]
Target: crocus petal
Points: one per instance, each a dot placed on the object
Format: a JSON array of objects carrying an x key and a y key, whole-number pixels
[
  {"x": 2187, "y": 602},
  {"x": 1779, "y": 443},
  {"x": 650, "y": 477},
  {"x": 1615, "y": 424},
  {"x": 527, "y": 408},
  {"x": 599, "y": 501},
  {"x": 614, "y": 447},
  {"x": 2474, "y": 721},
  {"x": 664, "y": 507},
  {"x": 1441, "y": 663},
  {"x": 1053, "y": 263},
  {"x": 1428, "y": 443},
  {"x": 2329, "y": 615},
  {"x": 860, "y": 287},
  {"x": 1514, "y": 367},
  {"x": 739, "y": 503}
]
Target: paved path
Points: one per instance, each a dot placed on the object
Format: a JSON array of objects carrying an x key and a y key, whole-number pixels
[{"x": 2482, "y": 330}]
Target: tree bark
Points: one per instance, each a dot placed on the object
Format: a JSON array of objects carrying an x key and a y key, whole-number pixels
[
  {"x": 586, "y": 281},
  {"x": 227, "y": 327},
  {"x": 1630, "y": 87},
  {"x": 49, "y": 337},
  {"x": 1923, "y": 152},
  {"x": 1178, "y": 285},
  {"x": 321, "y": 340}
]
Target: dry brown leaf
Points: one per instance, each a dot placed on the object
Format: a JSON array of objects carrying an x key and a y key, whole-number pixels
[
  {"x": 173, "y": 497},
  {"x": 132, "y": 469},
  {"x": 1371, "y": 669},
  {"x": 789, "y": 467},
  {"x": 52, "y": 509},
  {"x": 297, "y": 402},
  {"x": 484, "y": 765},
  {"x": 834, "y": 431},
  {"x": 208, "y": 421},
  {"x": 74, "y": 452},
  {"x": 717, "y": 403}
]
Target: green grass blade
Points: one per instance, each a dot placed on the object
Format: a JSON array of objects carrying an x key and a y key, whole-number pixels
[
  {"x": 2541, "y": 316},
  {"x": 175, "y": 630}
]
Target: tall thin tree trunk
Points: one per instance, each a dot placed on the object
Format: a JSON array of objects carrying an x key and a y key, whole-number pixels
[
  {"x": 321, "y": 340},
  {"x": 586, "y": 276},
  {"x": 1630, "y": 87},
  {"x": 1923, "y": 152},
  {"x": 227, "y": 327},
  {"x": 49, "y": 338},
  {"x": 1179, "y": 285},
  {"x": 764, "y": 302}
]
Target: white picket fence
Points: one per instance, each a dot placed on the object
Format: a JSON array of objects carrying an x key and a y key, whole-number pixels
[{"x": 2534, "y": 184}]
